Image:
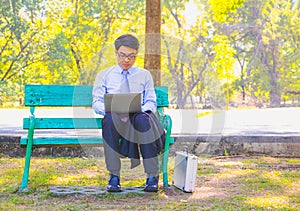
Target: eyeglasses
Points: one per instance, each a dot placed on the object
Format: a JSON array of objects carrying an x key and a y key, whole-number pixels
[{"x": 124, "y": 56}]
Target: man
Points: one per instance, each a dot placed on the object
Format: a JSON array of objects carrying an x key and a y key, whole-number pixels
[{"x": 134, "y": 133}]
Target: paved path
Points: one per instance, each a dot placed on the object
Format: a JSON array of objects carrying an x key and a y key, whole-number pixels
[
  {"x": 277, "y": 121},
  {"x": 254, "y": 122}
]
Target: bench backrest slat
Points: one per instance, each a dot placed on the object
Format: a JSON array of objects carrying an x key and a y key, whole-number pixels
[
  {"x": 58, "y": 95},
  {"x": 162, "y": 98},
  {"x": 68, "y": 95},
  {"x": 64, "y": 123}
]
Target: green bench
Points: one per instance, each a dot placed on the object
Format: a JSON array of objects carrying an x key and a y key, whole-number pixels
[{"x": 76, "y": 96}]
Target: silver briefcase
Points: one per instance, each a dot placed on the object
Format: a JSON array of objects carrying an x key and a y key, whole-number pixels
[{"x": 185, "y": 171}]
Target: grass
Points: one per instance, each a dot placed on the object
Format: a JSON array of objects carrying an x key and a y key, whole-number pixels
[{"x": 223, "y": 183}]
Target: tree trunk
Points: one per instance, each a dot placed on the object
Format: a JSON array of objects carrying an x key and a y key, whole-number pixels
[
  {"x": 180, "y": 100},
  {"x": 275, "y": 99},
  {"x": 273, "y": 76},
  {"x": 274, "y": 92},
  {"x": 152, "y": 49}
]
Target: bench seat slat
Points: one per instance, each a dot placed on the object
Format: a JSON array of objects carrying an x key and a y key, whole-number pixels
[
  {"x": 84, "y": 141},
  {"x": 64, "y": 123}
]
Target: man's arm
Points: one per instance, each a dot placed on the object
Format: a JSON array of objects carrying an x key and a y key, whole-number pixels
[
  {"x": 98, "y": 94},
  {"x": 149, "y": 103}
]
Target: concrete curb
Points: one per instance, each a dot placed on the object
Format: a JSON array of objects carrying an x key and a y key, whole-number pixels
[
  {"x": 273, "y": 145},
  {"x": 278, "y": 145},
  {"x": 238, "y": 138}
]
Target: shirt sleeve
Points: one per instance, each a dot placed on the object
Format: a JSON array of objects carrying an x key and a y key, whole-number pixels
[
  {"x": 149, "y": 103},
  {"x": 98, "y": 94}
]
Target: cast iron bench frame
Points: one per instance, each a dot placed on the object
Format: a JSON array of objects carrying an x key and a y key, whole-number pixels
[{"x": 76, "y": 96}]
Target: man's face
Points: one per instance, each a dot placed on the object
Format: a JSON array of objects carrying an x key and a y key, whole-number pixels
[{"x": 126, "y": 57}]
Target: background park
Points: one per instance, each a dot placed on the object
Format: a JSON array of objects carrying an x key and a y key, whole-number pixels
[{"x": 219, "y": 58}]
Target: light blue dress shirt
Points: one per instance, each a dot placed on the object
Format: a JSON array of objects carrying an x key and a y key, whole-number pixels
[{"x": 109, "y": 80}]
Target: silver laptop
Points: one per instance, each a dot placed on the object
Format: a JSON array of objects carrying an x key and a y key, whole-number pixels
[{"x": 123, "y": 103}]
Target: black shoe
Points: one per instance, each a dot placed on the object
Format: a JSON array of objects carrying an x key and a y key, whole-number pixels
[
  {"x": 151, "y": 184},
  {"x": 113, "y": 184}
]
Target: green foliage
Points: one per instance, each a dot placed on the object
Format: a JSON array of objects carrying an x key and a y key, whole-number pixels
[
  {"x": 59, "y": 42},
  {"x": 263, "y": 46},
  {"x": 246, "y": 46},
  {"x": 221, "y": 9}
]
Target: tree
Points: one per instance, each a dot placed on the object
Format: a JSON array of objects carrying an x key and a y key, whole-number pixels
[
  {"x": 61, "y": 42},
  {"x": 153, "y": 40},
  {"x": 257, "y": 30},
  {"x": 21, "y": 44},
  {"x": 186, "y": 51},
  {"x": 83, "y": 30},
  {"x": 68, "y": 42},
  {"x": 19, "y": 31}
]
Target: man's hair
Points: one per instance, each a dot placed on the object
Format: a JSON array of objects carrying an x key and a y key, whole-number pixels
[{"x": 127, "y": 40}]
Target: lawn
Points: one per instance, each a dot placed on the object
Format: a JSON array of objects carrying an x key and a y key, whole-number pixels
[{"x": 223, "y": 183}]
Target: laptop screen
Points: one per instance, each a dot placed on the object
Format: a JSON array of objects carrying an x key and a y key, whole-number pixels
[{"x": 123, "y": 103}]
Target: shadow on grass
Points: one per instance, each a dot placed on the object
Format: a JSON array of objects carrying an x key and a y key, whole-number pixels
[{"x": 226, "y": 183}]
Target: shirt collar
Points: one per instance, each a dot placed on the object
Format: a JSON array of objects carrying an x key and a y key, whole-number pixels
[{"x": 119, "y": 68}]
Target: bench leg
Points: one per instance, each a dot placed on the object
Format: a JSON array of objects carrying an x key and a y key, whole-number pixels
[
  {"x": 165, "y": 164},
  {"x": 24, "y": 183}
]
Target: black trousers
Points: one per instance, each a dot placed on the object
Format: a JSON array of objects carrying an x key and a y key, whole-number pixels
[{"x": 131, "y": 138}]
